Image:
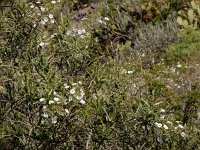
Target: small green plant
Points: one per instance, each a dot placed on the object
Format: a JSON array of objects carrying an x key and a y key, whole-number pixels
[{"x": 187, "y": 46}]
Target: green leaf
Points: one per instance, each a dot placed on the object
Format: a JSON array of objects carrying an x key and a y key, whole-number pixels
[
  {"x": 179, "y": 20},
  {"x": 194, "y": 6},
  {"x": 191, "y": 15},
  {"x": 185, "y": 23},
  {"x": 195, "y": 24},
  {"x": 198, "y": 10}
]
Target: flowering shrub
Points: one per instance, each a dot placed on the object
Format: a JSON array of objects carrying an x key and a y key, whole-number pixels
[{"x": 106, "y": 81}]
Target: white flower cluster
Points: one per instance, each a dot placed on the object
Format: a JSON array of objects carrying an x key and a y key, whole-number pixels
[
  {"x": 160, "y": 125},
  {"x": 77, "y": 32},
  {"x": 127, "y": 71},
  {"x": 179, "y": 126},
  {"x": 40, "y": 13},
  {"x": 75, "y": 93},
  {"x": 173, "y": 126},
  {"x": 103, "y": 21},
  {"x": 46, "y": 19}
]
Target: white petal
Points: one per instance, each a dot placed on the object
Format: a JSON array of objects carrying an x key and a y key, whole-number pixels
[
  {"x": 67, "y": 111},
  {"x": 56, "y": 99},
  {"x": 165, "y": 127},
  {"x": 72, "y": 91},
  {"x": 54, "y": 120},
  {"x": 82, "y": 101},
  {"x": 51, "y": 16},
  {"x": 162, "y": 110},
  {"x": 42, "y": 99},
  {"x": 159, "y": 125},
  {"x": 183, "y": 134},
  {"x": 51, "y": 102}
]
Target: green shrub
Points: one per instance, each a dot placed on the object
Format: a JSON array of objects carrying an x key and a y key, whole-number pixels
[{"x": 65, "y": 85}]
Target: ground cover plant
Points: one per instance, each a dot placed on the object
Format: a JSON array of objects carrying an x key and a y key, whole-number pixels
[{"x": 99, "y": 74}]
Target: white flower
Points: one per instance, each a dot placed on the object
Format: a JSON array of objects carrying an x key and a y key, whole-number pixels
[
  {"x": 32, "y": 6},
  {"x": 162, "y": 110},
  {"x": 124, "y": 71},
  {"x": 78, "y": 97},
  {"x": 178, "y": 122},
  {"x": 165, "y": 127},
  {"x": 70, "y": 99},
  {"x": 45, "y": 115},
  {"x": 65, "y": 101},
  {"x": 162, "y": 116},
  {"x": 46, "y": 19},
  {"x": 159, "y": 139},
  {"x": 101, "y": 22},
  {"x": 173, "y": 70},
  {"x": 82, "y": 36},
  {"x": 42, "y": 99},
  {"x": 58, "y": 1},
  {"x": 51, "y": 102},
  {"x": 183, "y": 134},
  {"x": 56, "y": 99},
  {"x": 81, "y": 31},
  {"x": 52, "y": 36},
  {"x": 84, "y": 18},
  {"x": 80, "y": 82},
  {"x": 72, "y": 91},
  {"x": 51, "y": 16},
  {"x": 42, "y": 121},
  {"x": 54, "y": 120},
  {"x": 34, "y": 25},
  {"x": 178, "y": 65},
  {"x": 44, "y": 107},
  {"x": 42, "y": 8},
  {"x": 82, "y": 92},
  {"x": 41, "y": 44},
  {"x": 55, "y": 93},
  {"x": 82, "y": 101},
  {"x": 94, "y": 95},
  {"x": 180, "y": 126},
  {"x": 73, "y": 84},
  {"x": 169, "y": 122},
  {"x": 66, "y": 86},
  {"x": 67, "y": 111},
  {"x": 53, "y": 2},
  {"x": 52, "y": 21},
  {"x": 129, "y": 72},
  {"x": 106, "y": 18},
  {"x": 42, "y": 22},
  {"x": 159, "y": 125}
]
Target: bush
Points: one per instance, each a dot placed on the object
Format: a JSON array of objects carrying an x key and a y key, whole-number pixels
[{"x": 65, "y": 85}]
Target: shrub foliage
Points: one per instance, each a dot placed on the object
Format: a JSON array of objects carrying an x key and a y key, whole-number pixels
[{"x": 123, "y": 75}]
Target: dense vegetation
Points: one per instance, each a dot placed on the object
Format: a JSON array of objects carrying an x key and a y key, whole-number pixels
[{"x": 113, "y": 74}]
